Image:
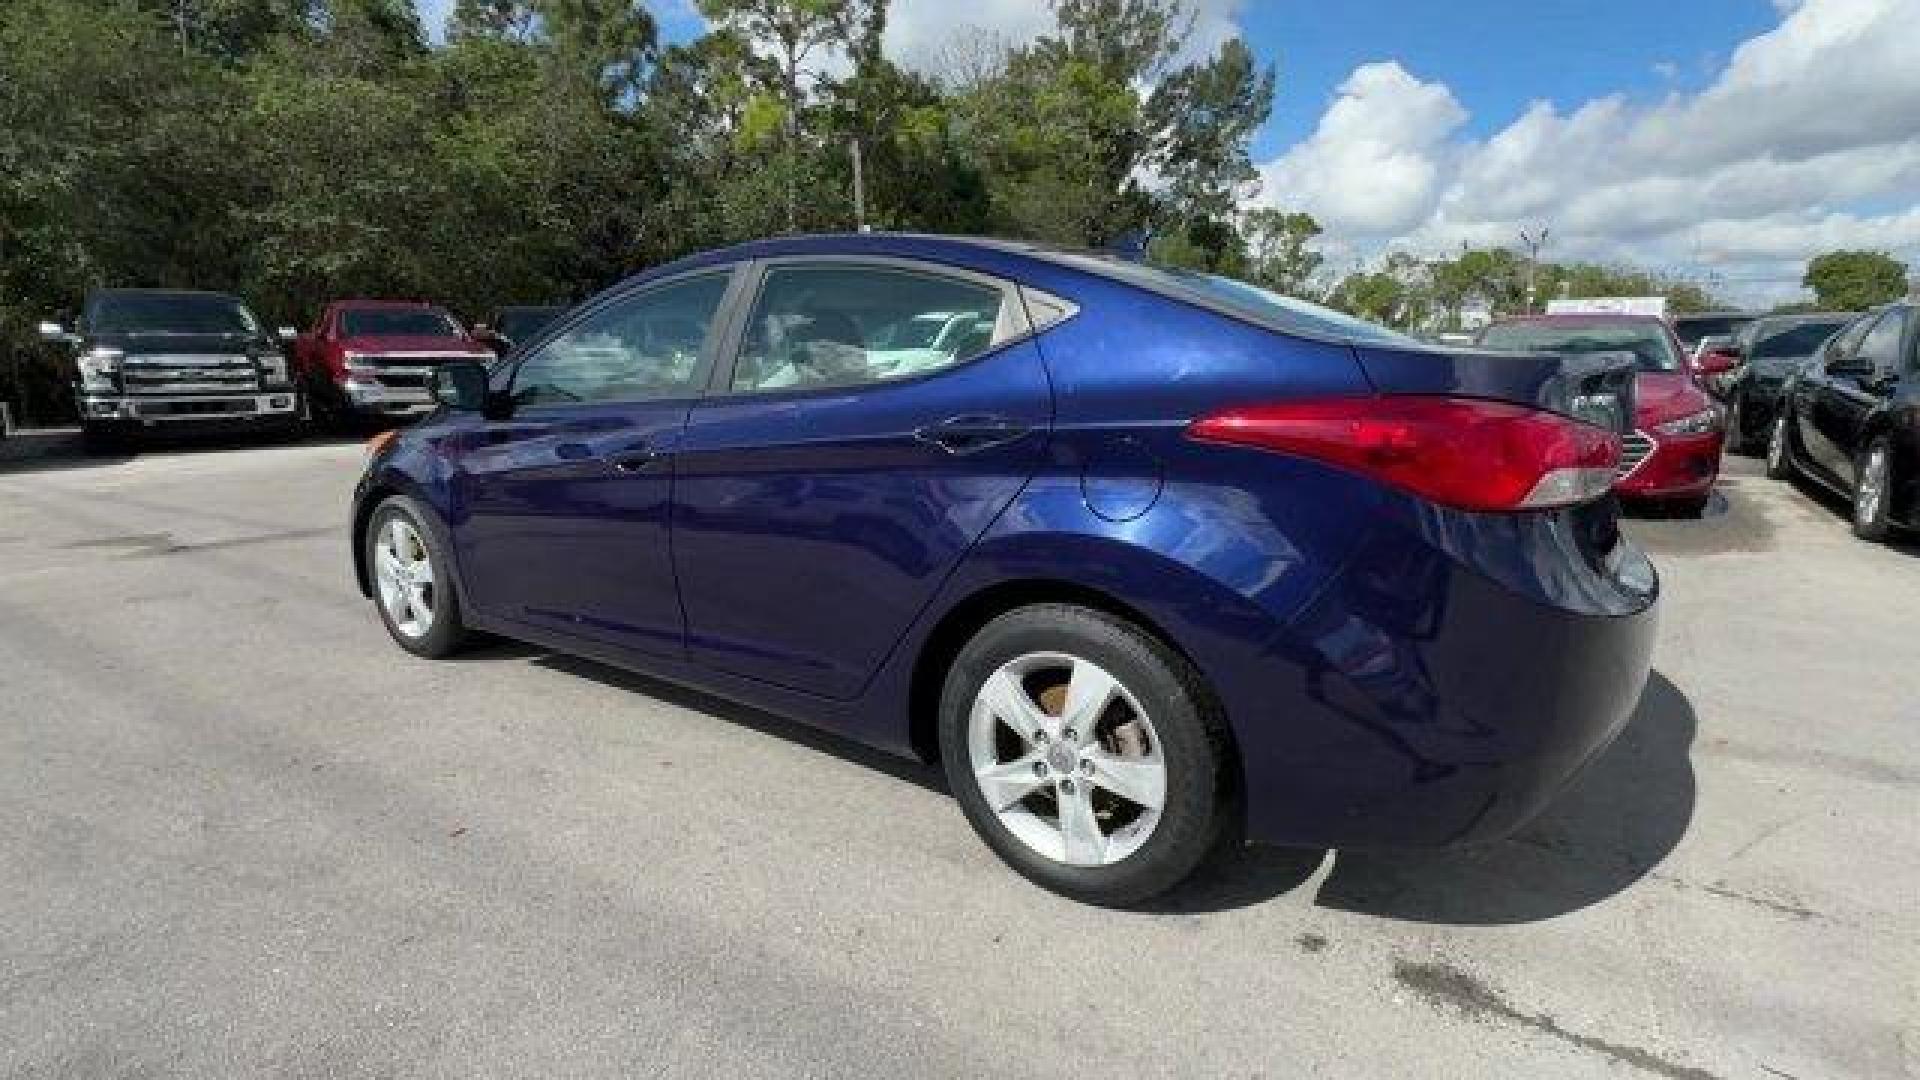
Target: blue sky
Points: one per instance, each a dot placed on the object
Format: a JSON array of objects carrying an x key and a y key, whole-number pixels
[{"x": 1725, "y": 140}]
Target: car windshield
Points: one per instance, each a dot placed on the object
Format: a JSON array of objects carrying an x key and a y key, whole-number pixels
[
  {"x": 171, "y": 313},
  {"x": 1801, "y": 339},
  {"x": 397, "y": 322},
  {"x": 1251, "y": 302},
  {"x": 518, "y": 323},
  {"x": 1692, "y": 328},
  {"x": 1649, "y": 344}
]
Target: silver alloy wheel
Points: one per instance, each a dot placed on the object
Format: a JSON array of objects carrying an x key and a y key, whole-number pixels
[
  {"x": 1777, "y": 445},
  {"x": 1873, "y": 487},
  {"x": 1067, "y": 759},
  {"x": 405, "y": 574}
]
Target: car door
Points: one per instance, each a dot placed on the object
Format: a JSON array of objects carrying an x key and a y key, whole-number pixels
[
  {"x": 565, "y": 503},
  {"x": 1807, "y": 403},
  {"x": 1851, "y": 390},
  {"x": 829, "y": 486}
]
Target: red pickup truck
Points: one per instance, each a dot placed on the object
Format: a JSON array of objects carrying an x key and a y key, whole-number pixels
[{"x": 371, "y": 357}]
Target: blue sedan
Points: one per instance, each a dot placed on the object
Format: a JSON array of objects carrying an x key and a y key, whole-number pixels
[{"x": 1153, "y": 562}]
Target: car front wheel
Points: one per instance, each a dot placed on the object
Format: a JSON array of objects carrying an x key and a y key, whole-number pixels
[
  {"x": 412, "y": 585},
  {"x": 1873, "y": 493},
  {"x": 1779, "y": 455},
  {"x": 1086, "y": 753}
]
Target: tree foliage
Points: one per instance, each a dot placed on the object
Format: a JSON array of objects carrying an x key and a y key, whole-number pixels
[{"x": 1855, "y": 280}]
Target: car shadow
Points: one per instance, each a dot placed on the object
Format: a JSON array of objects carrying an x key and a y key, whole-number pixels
[
  {"x": 1624, "y": 813},
  {"x": 926, "y": 777},
  {"x": 1904, "y": 543}
]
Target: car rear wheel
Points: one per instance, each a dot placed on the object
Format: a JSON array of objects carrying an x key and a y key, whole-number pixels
[
  {"x": 1873, "y": 493},
  {"x": 412, "y": 586},
  {"x": 1086, "y": 753},
  {"x": 1779, "y": 455}
]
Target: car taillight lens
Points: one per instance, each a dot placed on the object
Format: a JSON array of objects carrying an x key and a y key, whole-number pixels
[{"x": 1460, "y": 452}]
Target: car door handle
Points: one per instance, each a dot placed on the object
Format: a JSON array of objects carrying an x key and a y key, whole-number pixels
[
  {"x": 633, "y": 461},
  {"x": 972, "y": 434}
]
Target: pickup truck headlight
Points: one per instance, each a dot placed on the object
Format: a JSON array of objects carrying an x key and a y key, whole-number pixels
[
  {"x": 273, "y": 368},
  {"x": 97, "y": 368},
  {"x": 1700, "y": 423}
]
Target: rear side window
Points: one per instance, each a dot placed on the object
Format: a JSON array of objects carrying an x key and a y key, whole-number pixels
[
  {"x": 1802, "y": 339},
  {"x": 833, "y": 324},
  {"x": 643, "y": 347}
]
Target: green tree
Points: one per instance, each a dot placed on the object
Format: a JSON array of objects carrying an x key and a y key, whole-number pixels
[
  {"x": 1203, "y": 118},
  {"x": 1278, "y": 255},
  {"x": 1855, "y": 280}
]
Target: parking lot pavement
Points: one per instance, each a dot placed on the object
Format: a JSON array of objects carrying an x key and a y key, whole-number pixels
[{"x": 242, "y": 835}]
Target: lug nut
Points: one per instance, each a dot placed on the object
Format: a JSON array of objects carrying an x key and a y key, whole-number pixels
[
  {"x": 1069, "y": 735},
  {"x": 1039, "y": 768},
  {"x": 1066, "y": 787},
  {"x": 1086, "y": 766}
]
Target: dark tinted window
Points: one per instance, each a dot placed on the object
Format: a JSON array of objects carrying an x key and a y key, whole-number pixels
[
  {"x": 397, "y": 322},
  {"x": 637, "y": 348},
  {"x": 1801, "y": 339},
  {"x": 834, "y": 324},
  {"x": 1651, "y": 348},
  {"x": 1251, "y": 302},
  {"x": 169, "y": 313},
  {"x": 518, "y": 324}
]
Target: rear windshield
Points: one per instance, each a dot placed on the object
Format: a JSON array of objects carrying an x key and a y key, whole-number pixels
[
  {"x": 397, "y": 322},
  {"x": 1250, "y": 302},
  {"x": 1691, "y": 329},
  {"x": 136, "y": 314},
  {"x": 1651, "y": 348},
  {"x": 1803, "y": 339}
]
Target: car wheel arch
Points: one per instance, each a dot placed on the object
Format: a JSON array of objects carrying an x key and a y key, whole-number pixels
[
  {"x": 967, "y": 616},
  {"x": 378, "y": 490}
]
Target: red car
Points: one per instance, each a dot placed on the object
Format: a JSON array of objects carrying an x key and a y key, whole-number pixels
[
  {"x": 1673, "y": 455},
  {"x": 371, "y": 357}
]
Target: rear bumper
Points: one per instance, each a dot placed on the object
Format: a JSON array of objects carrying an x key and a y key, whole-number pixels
[
  {"x": 1680, "y": 466},
  {"x": 1447, "y": 690}
]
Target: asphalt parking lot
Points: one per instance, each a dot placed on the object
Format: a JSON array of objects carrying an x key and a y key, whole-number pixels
[{"x": 243, "y": 835}]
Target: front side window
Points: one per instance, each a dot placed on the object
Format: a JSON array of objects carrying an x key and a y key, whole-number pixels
[
  {"x": 638, "y": 348},
  {"x": 1880, "y": 350},
  {"x": 841, "y": 325},
  {"x": 397, "y": 322},
  {"x": 1845, "y": 342}
]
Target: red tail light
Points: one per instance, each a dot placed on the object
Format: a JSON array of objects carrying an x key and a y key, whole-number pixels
[{"x": 1460, "y": 452}]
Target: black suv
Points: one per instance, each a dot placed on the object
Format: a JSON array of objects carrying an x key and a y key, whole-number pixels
[
  {"x": 151, "y": 359},
  {"x": 1850, "y": 420}
]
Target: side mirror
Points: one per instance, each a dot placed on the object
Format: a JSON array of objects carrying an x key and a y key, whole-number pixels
[
  {"x": 460, "y": 385},
  {"x": 56, "y": 334}
]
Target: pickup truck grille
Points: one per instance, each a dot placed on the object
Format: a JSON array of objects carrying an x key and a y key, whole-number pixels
[
  {"x": 407, "y": 371},
  {"x": 189, "y": 374},
  {"x": 1635, "y": 447}
]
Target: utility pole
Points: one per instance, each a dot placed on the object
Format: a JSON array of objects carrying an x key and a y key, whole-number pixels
[
  {"x": 859, "y": 186},
  {"x": 1534, "y": 243}
]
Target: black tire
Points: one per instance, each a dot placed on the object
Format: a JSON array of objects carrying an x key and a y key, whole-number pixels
[
  {"x": 1873, "y": 520},
  {"x": 1739, "y": 439},
  {"x": 101, "y": 441},
  {"x": 1780, "y": 464},
  {"x": 1199, "y": 813},
  {"x": 446, "y": 633}
]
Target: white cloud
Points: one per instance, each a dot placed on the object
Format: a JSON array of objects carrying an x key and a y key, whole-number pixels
[{"x": 1804, "y": 128}]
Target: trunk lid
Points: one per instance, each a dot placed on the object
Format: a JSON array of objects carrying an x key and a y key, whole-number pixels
[{"x": 1597, "y": 388}]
